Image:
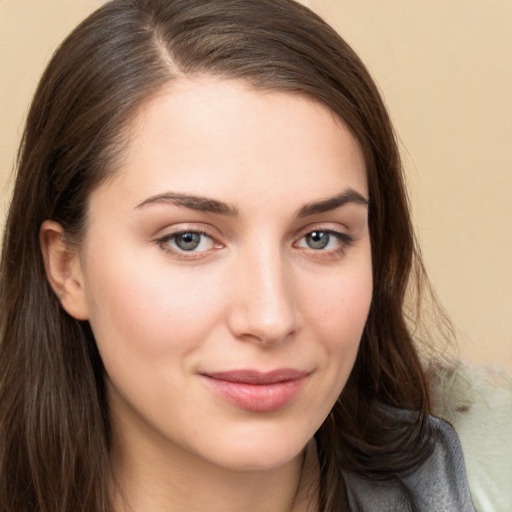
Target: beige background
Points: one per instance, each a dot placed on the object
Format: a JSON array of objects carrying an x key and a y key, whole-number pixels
[{"x": 445, "y": 70}]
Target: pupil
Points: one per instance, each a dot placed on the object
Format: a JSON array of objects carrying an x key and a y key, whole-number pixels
[
  {"x": 318, "y": 239},
  {"x": 188, "y": 241}
]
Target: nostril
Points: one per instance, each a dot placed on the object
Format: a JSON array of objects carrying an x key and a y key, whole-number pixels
[{"x": 265, "y": 331}]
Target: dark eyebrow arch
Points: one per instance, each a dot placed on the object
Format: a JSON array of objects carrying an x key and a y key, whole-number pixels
[
  {"x": 203, "y": 204},
  {"x": 331, "y": 203}
]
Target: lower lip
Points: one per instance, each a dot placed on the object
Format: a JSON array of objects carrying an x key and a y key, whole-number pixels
[{"x": 257, "y": 397}]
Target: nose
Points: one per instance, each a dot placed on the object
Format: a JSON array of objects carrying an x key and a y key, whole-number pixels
[{"x": 263, "y": 306}]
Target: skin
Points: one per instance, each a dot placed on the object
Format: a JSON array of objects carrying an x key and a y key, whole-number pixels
[{"x": 256, "y": 293}]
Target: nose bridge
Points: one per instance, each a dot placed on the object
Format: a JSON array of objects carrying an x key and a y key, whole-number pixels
[{"x": 263, "y": 306}]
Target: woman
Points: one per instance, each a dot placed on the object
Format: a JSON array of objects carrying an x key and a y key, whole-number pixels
[{"x": 203, "y": 276}]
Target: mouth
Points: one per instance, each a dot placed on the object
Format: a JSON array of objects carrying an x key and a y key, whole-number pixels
[{"x": 257, "y": 391}]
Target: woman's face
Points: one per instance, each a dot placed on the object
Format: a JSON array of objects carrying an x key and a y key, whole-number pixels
[{"x": 226, "y": 273}]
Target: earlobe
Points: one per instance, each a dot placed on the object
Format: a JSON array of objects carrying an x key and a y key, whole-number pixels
[{"x": 63, "y": 269}]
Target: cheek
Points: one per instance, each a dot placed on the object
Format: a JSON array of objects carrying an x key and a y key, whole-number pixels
[
  {"x": 337, "y": 314},
  {"x": 342, "y": 311},
  {"x": 146, "y": 309},
  {"x": 340, "y": 307}
]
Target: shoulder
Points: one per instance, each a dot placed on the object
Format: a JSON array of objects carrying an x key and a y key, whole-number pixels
[{"x": 439, "y": 483}]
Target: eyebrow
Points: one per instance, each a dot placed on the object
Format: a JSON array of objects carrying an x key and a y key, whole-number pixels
[
  {"x": 331, "y": 203},
  {"x": 206, "y": 204},
  {"x": 203, "y": 204}
]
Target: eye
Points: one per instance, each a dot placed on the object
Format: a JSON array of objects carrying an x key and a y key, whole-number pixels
[
  {"x": 328, "y": 240},
  {"x": 317, "y": 239},
  {"x": 187, "y": 241}
]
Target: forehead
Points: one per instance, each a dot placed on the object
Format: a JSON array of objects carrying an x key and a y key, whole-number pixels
[{"x": 210, "y": 136}]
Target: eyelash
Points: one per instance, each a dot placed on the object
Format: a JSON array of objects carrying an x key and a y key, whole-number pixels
[
  {"x": 165, "y": 243},
  {"x": 343, "y": 239}
]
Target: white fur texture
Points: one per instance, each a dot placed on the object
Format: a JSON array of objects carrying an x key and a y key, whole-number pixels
[{"x": 477, "y": 401}]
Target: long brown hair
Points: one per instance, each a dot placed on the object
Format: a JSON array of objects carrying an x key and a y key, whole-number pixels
[{"x": 54, "y": 426}]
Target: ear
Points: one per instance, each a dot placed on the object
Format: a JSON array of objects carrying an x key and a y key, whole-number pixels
[{"x": 63, "y": 269}]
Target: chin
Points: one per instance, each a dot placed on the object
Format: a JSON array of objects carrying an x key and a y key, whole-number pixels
[
  {"x": 251, "y": 461},
  {"x": 260, "y": 451}
]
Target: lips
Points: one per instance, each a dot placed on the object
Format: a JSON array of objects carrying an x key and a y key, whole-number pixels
[{"x": 257, "y": 391}]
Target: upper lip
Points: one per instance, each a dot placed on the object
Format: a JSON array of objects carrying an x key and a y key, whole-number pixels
[{"x": 258, "y": 377}]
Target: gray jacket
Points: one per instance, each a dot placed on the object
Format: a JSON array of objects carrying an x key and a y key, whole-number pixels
[{"x": 438, "y": 485}]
